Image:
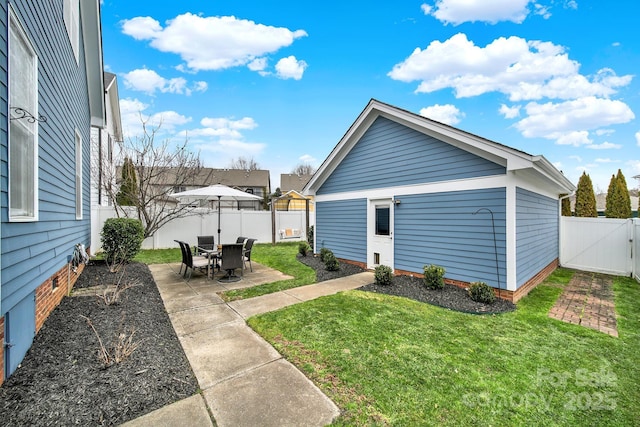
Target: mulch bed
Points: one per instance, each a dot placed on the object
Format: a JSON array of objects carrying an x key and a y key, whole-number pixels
[
  {"x": 451, "y": 297},
  {"x": 61, "y": 381}
]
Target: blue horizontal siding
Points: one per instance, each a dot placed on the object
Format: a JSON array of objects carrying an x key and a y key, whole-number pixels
[
  {"x": 342, "y": 227},
  {"x": 32, "y": 252},
  {"x": 441, "y": 229},
  {"x": 537, "y": 227},
  {"x": 391, "y": 154}
]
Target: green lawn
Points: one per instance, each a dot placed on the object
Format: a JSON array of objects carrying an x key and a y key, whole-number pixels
[{"x": 390, "y": 360}]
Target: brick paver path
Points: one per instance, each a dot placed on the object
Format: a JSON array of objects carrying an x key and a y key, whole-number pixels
[{"x": 588, "y": 301}]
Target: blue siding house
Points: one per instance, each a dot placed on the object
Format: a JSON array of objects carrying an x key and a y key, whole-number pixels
[
  {"x": 405, "y": 191},
  {"x": 51, "y": 94}
]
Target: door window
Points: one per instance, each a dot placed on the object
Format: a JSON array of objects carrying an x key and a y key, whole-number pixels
[{"x": 382, "y": 221}]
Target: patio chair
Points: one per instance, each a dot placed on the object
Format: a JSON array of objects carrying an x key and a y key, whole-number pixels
[
  {"x": 205, "y": 242},
  {"x": 241, "y": 240},
  {"x": 231, "y": 259},
  {"x": 184, "y": 256},
  {"x": 194, "y": 262},
  {"x": 246, "y": 253}
]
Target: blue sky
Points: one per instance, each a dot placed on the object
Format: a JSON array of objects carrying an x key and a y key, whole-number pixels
[{"x": 282, "y": 81}]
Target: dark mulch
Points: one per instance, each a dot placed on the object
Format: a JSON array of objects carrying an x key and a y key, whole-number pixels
[
  {"x": 451, "y": 297},
  {"x": 62, "y": 382}
]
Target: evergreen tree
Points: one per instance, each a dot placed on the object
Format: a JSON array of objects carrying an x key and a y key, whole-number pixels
[
  {"x": 566, "y": 207},
  {"x": 612, "y": 203},
  {"x": 129, "y": 185},
  {"x": 585, "y": 198},
  {"x": 626, "y": 207}
]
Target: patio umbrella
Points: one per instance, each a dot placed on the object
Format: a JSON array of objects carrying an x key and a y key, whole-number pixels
[{"x": 219, "y": 192}]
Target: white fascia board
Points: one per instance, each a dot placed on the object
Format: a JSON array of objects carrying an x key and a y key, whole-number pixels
[
  {"x": 92, "y": 36},
  {"x": 497, "y": 181},
  {"x": 114, "y": 106}
]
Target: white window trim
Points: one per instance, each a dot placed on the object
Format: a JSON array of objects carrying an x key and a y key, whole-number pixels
[
  {"x": 15, "y": 24},
  {"x": 71, "y": 16},
  {"x": 78, "y": 174}
]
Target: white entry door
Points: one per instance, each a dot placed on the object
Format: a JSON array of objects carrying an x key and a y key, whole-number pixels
[{"x": 380, "y": 233}]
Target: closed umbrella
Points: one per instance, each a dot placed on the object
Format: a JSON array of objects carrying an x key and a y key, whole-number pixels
[{"x": 219, "y": 192}]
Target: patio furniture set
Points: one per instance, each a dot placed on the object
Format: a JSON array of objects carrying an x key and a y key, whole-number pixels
[{"x": 206, "y": 256}]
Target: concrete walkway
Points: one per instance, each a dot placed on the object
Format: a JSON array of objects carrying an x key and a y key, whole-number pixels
[
  {"x": 588, "y": 301},
  {"x": 244, "y": 380}
]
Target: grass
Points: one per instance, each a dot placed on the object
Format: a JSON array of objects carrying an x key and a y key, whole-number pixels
[
  {"x": 389, "y": 360},
  {"x": 281, "y": 257},
  {"x": 158, "y": 256}
]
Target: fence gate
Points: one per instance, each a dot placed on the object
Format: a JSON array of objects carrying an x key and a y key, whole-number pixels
[{"x": 602, "y": 245}]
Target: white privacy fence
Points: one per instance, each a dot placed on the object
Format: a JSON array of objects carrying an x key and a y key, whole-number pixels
[
  {"x": 233, "y": 223},
  {"x": 603, "y": 245}
]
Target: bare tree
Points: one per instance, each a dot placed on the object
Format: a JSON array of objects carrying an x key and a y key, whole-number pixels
[
  {"x": 304, "y": 169},
  {"x": 244, "y": 163},
  {"x": 161, "y": 168}
]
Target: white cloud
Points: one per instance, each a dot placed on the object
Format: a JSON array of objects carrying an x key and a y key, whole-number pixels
[
  {"x": 257, "y": 64},
  {"x": 447, "y": 114},
  {"x": 541, "y": 10},
  {"x": 426, "y": 9},
  {"x": 290, "y": 68},
  {"x": 509, "y": 112},
  {"x": 132, "y": 113},
  {"x": 603, "y": 132},
  {"x": 557, "y": 165},
  {"x": 604, "y": 146},
  {"x": 637, "y": 135},
  {"x": 307, "y": 158},
  {"x": 576, "y": 158},
  {"x": 211, "y": 43},
  {"x": 223, "y": 122},
  {"x": 459, "y": 11},
  {"x": 576, "y": 138},
  {"x": 607, "y": 160},
  {"x": 521, "y": 69},
  {"x": 148, "y": 81},
  {"x": 553, "y": 120}
]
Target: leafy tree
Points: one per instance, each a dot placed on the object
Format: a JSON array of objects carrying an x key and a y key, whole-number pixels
[
  {"x": 566, "y": 207},
  {"x": 248, "y": 164},
  {"x": 618, "y": 200},
  {"x": 585, "y": 198},
  {"x": 129, "y": 188}
]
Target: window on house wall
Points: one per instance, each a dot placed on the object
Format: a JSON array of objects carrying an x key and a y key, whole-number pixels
[
  {"x": 78, "y": 175},
  {"x": 23, "y": 133},
  {"x": 71, "y": 12}
]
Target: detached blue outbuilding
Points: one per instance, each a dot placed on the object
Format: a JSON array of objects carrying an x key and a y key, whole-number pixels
[{"x": 405, "y": 191}]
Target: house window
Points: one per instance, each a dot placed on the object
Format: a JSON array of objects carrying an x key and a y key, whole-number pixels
[
  {"x": 23, "y": 135},
  {"x": 78, "y": 175},
  {"x": 71, "y": 15},
  {"x": 179, "y": 188},
  {"x": 249, "y": 190},
  {"x": 382, "y": 220}
]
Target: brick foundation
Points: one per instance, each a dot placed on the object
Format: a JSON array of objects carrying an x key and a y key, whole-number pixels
[
  {"x": 362, "y": 265},
  {"x": 502, "y": 293},
  {"x": 48, "y": 297}
]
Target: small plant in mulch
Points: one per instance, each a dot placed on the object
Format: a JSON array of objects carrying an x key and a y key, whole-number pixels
[
  {"x": 383, "y": 275},
  {"x": 119, "y": 349},
  {"x": 323, "y": 253},
  {"x": 481, "y": 292},
  {"x": 331, "y": 262},
  {"x": 434, "y": 276},
  {"x": 303, "y": 248},
  {"x": 112, "y": 294}
]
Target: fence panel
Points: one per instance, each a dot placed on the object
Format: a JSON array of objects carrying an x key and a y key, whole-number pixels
[
  {"x": 636, "y": 249},
  {"x": 597, "y": 244},
  {"x": 233, "y": 223}
]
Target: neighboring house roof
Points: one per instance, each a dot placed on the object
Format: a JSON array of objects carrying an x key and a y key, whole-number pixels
[
  {"x": 537, "y": 167},
  {"x": 229, "y": 177},
  {"x": 601, "y": 202},
  {"x": 111, "y": 90},
  {"x": 292, "y": 181},
  {"x": 92, "y": 37}
]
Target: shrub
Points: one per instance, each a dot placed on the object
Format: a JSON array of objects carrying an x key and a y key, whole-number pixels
[
  {"x": 383, "y": 275},
  {"x": 331, "y": 262},
  {"x": 434, "y": 276},
  {"x": 303, "y": 248},
  {"x": 310, "y": 235},
  {"x": 323, "y": 253},
  {"x": 121, "y": 239},
  {"x": 481, "y": 292}
]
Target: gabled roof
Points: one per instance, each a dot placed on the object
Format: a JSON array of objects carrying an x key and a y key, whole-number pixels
[
  {"x": 209, "y": 176},
  {"x": 504, "y": 155},
  {"x": 292, "y": 181},
  {"x": 92, "y": 36}
]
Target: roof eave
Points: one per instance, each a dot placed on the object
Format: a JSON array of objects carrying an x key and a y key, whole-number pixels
[{"x": 92, "y": 36}]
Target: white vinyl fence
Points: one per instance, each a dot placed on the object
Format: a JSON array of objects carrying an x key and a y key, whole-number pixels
[
  {"x": 603, "y": 245},
  {"x": 233, "y": 223}
]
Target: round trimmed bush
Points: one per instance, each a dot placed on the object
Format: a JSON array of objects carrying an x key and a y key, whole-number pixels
[
  {"x": 121, "y": 239},
  {"x": 323, "y": 253},
  {"x": 303, "y": 248},
  {"x": 481, "y": 292},
  {"x": 383, "y": 275},
  {"x": 434, "y": 276},
  {"x": 331, "y": 262}
]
